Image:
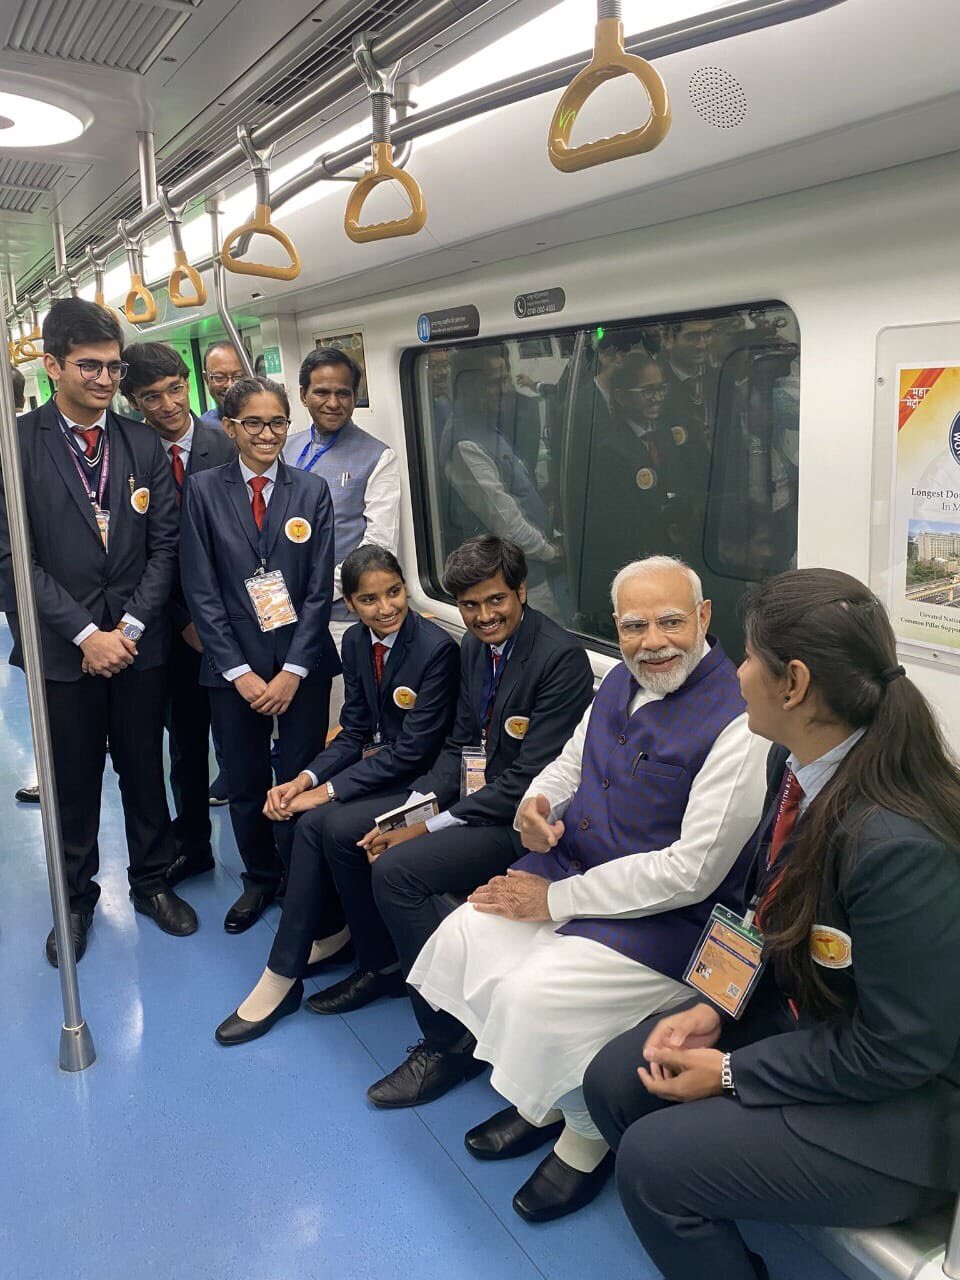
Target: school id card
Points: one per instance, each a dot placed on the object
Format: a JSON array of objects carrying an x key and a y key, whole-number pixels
[
  {"x": 473, "y": 771},
  {"x": 727, "y": 961},
  {"x": 271, "y": 600}
]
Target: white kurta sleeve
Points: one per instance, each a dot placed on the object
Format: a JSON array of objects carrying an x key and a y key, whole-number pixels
[
  {"x": 477, "y": 481},
  {"x": 381, "y": 510},
  {"x": 723, "y": 809},
  {"x": 560, "y": 779}
]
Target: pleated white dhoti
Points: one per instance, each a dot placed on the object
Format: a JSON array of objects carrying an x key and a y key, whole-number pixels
[{"x": 540, "y": 1005}]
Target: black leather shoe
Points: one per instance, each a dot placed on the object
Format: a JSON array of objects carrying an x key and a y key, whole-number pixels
[
  {"x": 182, "y": 868},
  {"x": 507, "y": 1134},
  {"x": 247, "y": 910},
  {"x": 425, "y": 1075},
  {"x": 760, "y": 1267},
  {"x": 80, "y": 922},
  {"x": 218, "y": 792},
  {"x": 28, "y": 795},
  {"x": 235, "y": 1030},
  {"x": 168, "y": 911},
  {"x": 356, "y": 990},
  {"x": 554, "y": 1189},
  {"x": 346, "y": 955}
]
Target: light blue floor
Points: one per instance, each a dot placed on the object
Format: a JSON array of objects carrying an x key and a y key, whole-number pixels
[{"x": 174, "y": 1158}]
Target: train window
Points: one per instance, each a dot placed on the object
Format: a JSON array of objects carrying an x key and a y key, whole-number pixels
[{"x": 590, "y": 447}]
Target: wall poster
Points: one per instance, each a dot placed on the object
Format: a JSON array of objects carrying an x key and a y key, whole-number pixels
[
  {"x": 352, "y": 344},
  {"x": 924, "y": 580}
]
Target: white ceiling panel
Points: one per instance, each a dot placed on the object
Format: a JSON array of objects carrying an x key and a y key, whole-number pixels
[{"x": 124, "y": 35}]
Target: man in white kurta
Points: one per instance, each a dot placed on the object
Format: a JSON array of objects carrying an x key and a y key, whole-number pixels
[{"x": 660, "y": 787}]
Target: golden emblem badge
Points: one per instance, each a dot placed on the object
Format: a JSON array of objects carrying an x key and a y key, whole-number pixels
[
  {"x": 646, "y": 478},
  {"x": 517, "y": 726},
  {"x": 297, "y": 529},
  {"x": 140, "y": 501},
  {"x": 404, "y": 697},
  {"x": 679, "y": 435},
  {"x": 831, "y": 948}
]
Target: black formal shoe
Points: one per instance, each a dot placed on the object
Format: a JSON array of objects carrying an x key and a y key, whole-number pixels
[
  {"x": 554, "y": 1189},
  {"x": 236, "y": 1030},
  {"x": 182, "y": 868},
  {"x": 80, "y": 922},
  {"x": 28, "y": 795},
  {"x": 425, "y": 1075},
  {"x": 356, "y": 990},
  {"x": 168, "y": 911},
  {"x": 346, "y": 955},
  {"x": 217, "y": 795},
  {"x": 507, "y": 1134},
  {"x": 247, "y": 910}
]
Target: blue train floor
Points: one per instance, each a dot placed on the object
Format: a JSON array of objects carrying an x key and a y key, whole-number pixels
[{"x": 173, "y": 1157}]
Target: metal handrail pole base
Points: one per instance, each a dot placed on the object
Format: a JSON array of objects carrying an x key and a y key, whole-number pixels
[{"x": 76, "y": 1048}]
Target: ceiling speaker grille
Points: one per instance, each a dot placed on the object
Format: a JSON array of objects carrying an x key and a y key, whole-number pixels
[
  {"x": 718, "y": 97},
  {"x": 28, "y": 175},
  {"x": 126, "y": 35},
  {"x": 18, "y": 201}
]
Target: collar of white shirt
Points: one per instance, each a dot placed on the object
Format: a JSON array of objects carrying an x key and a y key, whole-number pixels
[
  {"x": 813, "y": 777},
  {"x": 269, "y": 475},
  {"x": 101, "y": 422},
  {"x": 389, "y": 640},
  {"x": 184, "y": 444}
]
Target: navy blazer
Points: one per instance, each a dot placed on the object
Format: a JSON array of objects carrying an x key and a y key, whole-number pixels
[
  {"x": 546, "y": 683},
  {"x": 211, "y": 447},
  {"x": 220, "y": 549},
  {"x": 883, "y": 1075},
  {"x": 425, "y": 661},
  {"x": 77, "y": 582}
]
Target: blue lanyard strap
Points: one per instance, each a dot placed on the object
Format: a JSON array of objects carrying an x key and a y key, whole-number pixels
[
  {"x": 491, "y": 682},
  {"x": 318, "y": 453}
]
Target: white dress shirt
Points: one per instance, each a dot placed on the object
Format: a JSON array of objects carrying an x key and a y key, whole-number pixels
[
  {"x": 184, "y": 444},
  {"x": 271, "y": 476},
  {"x": 813, "y": 777},
  {"x": 723, "y": 809}
]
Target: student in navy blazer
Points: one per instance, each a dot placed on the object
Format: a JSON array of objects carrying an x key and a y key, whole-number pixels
[
  {"x": 243, "y": 521},
  {"x": 157, "y": 384},
  {"x": 102, "y": 518},
  {"x": 835, "y": 1100},
  {"x": 400, "y": 675}
]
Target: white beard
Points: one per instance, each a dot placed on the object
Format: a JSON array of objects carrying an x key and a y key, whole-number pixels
[{"x": 667, "y": 681}]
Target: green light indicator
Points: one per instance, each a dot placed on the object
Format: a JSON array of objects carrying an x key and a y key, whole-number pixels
[{"x": 600, "y": 332}]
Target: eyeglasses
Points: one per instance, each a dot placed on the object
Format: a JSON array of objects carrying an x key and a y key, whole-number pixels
[
  {"x": 255, "y": 426},
  {"x": 224, "y": 379},
  {"x": 651, "y": 393},
  {"x": 151, "y": 399},
  {"x": 669, "y": 624},
  {"x": 90, "y": 370}
]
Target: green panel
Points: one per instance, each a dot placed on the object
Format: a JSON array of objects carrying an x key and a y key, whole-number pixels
[{"x": 271, "y": 360}]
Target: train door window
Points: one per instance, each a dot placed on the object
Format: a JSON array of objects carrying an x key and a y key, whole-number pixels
[{"x": 592, "y": 447}]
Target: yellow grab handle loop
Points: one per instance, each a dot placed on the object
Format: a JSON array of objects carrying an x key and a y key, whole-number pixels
[
  {"x": 27, "y": 349},
  {"x": 610, "y": 60},
  {"x": 139, "y": 293},
  {"x": 261, "y": 225},
  {"x": 183, "y": 272},
  {"x": 384, "y": 170},
  {"x": 101, "y": 302}
]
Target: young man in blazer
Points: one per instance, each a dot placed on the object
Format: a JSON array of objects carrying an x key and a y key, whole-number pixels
[
  {"x": 524, "y": 684},
  {"x": 157, "y": 384},
  {"x": 103, "y": 524},
  {"x": 257, "y": 571}
]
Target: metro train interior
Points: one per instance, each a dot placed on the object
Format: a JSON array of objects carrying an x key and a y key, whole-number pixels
[{"x": 787, "y": 247}]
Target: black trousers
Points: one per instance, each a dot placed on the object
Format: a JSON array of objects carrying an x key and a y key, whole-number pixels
[
  {"x": 407, "y": 882},
  {"x": 188, "y": 726},
  {"x": 244, "y": 737},
  {"x": 686, "y": 1172},
  {"x": 129, "y": 708}
]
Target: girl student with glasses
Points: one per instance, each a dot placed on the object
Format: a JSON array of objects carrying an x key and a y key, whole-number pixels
[{"x": 257, "y": 570}]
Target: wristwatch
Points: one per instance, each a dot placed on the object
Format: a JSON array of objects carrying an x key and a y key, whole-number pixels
[
  {"x": 331, "y": 794},
  {"x": 130, "y": 630},
  {"x": 726, "y": 1077}
]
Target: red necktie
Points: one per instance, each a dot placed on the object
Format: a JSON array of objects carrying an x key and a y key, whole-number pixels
[
  {"x": 379, "y": 658},
  {"x": 783, "y": 825},
  {"x": 258, "y": 484},
  {"x": 176, "y": 461},
  {"x": 91, "y": 439}
]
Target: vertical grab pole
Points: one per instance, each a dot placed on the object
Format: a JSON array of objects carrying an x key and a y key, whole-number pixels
[
  {"x": 951, "y": 1261},
  {"x": 214, "y": 207},
  {"x": 76, "y": 1042}
]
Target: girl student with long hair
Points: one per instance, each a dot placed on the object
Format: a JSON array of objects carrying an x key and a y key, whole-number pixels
[
  {"x": 401, "y": 681},
  {"x": 835, "y": 1098}
]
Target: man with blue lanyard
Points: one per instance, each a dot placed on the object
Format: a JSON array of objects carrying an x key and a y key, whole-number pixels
[{"x": 362, "y": 473}]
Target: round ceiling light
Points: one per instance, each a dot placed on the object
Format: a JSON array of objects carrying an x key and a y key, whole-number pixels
[{"x": 28, "y": 122}]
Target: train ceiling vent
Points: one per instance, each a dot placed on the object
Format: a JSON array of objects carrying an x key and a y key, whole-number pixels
[
  {"x": 24, "y": 183},
  {"x": 718, "y": 97},
  {"x": 124, "y": 35}
]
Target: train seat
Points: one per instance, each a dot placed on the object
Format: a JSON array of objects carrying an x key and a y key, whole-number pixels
[{"x": 912, "y": 1250}]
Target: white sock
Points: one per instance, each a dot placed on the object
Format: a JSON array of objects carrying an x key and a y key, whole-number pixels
[
  {"x": 579, "y": 1152},
  {"x": 265, "y": 996},
  {"x": 552, "y": 1116},
  {"x": 324, "y": 948}
]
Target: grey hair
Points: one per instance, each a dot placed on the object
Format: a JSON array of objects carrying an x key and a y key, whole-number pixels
[{"x": 653, "y": 564}]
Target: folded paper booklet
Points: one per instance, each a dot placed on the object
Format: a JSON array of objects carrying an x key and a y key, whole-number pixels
[{"x": 409, "y": 814}]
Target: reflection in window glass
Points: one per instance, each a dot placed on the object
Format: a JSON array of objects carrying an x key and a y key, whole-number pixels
[{"x": 592, "y": 447}]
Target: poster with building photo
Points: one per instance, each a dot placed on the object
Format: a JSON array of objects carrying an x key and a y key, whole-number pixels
[
  {"x": 925, "y": 509},
  {"x": 352, "y": 344}
]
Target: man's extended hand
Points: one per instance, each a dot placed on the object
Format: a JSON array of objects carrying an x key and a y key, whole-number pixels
[
  {"x": 537, "y": 832},
  {"x": 106, "y": 653},
  {"x": 277, "y": 695},
  {"x": 376, "y": 842},
  {"x": 518, "y": 895},
  {"x": 279, "y": 805}
]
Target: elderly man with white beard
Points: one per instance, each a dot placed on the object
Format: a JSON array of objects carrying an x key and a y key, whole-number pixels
[{"x": 634, "y": 832}]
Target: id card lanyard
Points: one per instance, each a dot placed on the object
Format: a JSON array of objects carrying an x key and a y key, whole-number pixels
[
  {"x": 319, "y": 451},
  {"x": 268, "y": 591},
  {"x": 491, "y": 686},
  {"x": 96, "y": 498}
]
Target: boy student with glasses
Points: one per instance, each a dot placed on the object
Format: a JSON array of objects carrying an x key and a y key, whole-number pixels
[
  {"x": 157, "y": 383},
  {"x": 96, "y": 483},
  {"x": 222, "y": 367},
  {"x": 256, "y": 561}
]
